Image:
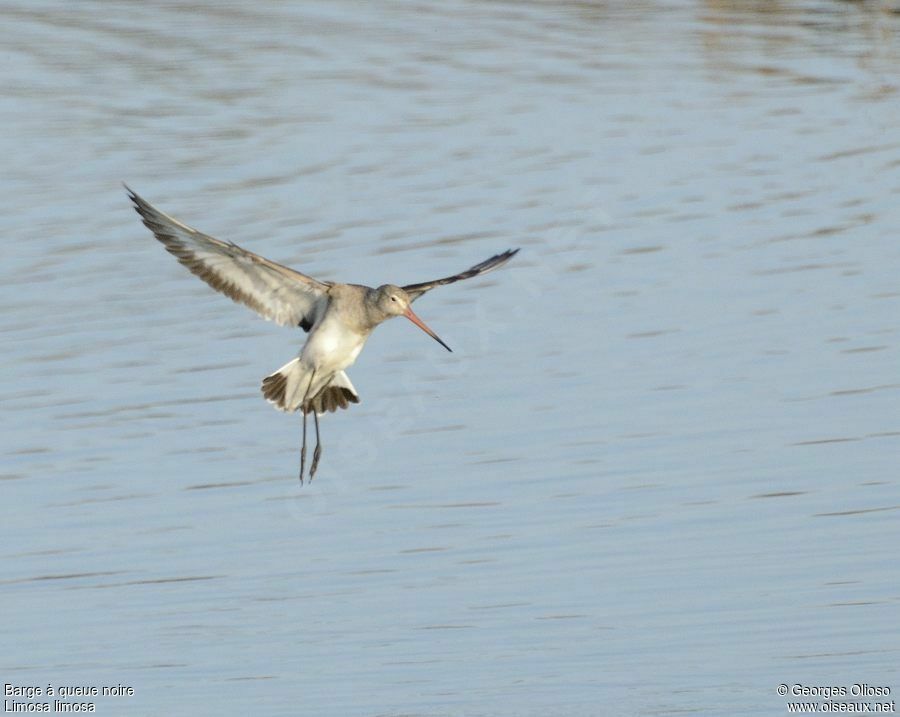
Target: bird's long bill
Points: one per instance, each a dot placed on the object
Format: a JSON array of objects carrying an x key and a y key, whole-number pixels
[{"x": 421, "y": 324}]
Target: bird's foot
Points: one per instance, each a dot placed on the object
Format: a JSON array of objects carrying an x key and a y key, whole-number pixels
[{"x": 315, "y": 461}]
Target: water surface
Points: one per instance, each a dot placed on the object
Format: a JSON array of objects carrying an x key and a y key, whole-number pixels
[{"x": 657, "y": 475}]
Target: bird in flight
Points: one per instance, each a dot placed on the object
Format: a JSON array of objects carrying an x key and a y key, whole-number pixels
[{"x": 338, "y": 317}]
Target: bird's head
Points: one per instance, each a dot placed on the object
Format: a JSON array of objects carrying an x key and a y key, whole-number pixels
[{"x": 392, "y": 301}]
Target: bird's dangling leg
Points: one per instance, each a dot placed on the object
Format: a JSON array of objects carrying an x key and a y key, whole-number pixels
[
  {"x": 305, "y": 409},
  {"x": 318, "y": 452},
  {"x": 303, "y": 448}
]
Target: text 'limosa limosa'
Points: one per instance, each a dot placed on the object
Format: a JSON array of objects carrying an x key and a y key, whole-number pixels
[{"x": 338, "y": 317}]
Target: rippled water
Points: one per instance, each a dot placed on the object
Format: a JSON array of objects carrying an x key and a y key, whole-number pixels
[{"x": 658, "y": 474}]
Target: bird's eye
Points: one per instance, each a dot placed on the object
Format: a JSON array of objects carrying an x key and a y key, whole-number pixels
[{"x": 393, "y": 298}]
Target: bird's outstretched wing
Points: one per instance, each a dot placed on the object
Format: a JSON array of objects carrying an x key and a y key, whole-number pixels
[
  {"x": 272, "y": 290},
  {"x": 416, "y": 290}
]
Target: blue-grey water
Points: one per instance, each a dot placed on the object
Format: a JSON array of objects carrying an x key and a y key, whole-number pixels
[{"x": 658, "y": 474}]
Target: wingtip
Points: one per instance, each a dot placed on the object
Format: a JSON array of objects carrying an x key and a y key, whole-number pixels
[
  {"x": 505, "y": 256},
  {"x": 132, "y": 195},
  {"x": 140, "y": 205}
]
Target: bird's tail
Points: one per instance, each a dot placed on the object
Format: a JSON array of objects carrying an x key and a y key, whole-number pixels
[{"x": 289, "y": 385}]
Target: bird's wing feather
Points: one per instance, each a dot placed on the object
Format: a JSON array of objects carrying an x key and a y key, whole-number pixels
[
  {"x": 274, "y": 291},
  {"x": 416, "y": 290}
]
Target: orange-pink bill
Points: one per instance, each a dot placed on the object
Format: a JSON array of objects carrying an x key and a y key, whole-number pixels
[{"x": 421, "y": 324}]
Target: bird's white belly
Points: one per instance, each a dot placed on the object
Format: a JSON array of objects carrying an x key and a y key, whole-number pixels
[{"x": 332, "y": 347}]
